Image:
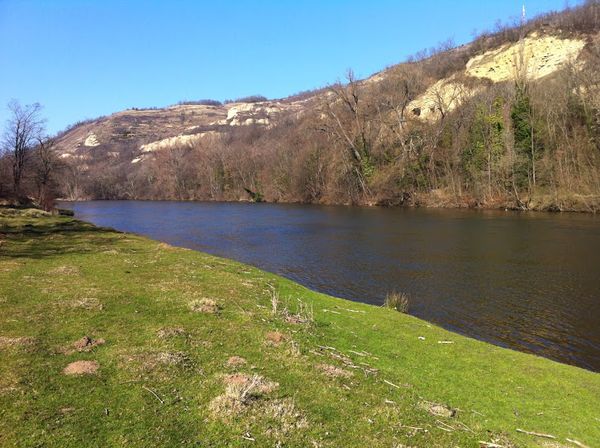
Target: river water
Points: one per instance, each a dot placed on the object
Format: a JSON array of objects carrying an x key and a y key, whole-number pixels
[{"x": 528, "y": 281}]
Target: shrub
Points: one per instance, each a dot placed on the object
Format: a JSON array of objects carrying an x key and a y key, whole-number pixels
[
  {"x": 248, "y": 99},
  {"x": 203, "y": 102}
]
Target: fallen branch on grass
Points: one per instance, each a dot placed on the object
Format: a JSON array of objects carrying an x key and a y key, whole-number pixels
[
  {"x": 536, "y": 434},
  {"x": 153, "y": 393},
  {"x": 579, "y": 444}
]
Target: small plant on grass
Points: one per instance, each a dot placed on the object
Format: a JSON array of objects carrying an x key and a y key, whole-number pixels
[
  {"x": 274, "y": 301},
  {"x": 397, "y": 300}
]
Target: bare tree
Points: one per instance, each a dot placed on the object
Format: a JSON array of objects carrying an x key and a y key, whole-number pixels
[
  {"x": 46, "y": 165},
  {"x": 24, "y": 127}
]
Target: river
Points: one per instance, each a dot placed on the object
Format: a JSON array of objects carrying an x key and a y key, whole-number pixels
[{"x": 528, "y": 281}]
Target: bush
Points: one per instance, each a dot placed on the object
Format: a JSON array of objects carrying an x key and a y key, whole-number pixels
[
  {"x": 397, "y": 300},
  {"x": 205, "y": 102},
  {"x": 248, "y": 99}
]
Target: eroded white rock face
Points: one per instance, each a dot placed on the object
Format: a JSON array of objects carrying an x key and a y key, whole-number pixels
[
  {"x": 541, "y": 57},
  {"x": 176, "y": 141},
  {"x": 535, "y": 57},
  {"x": 170, "y": 142},
  {"x": 442, "y": 97},
  {"x": 246, "y": 114},
  {"x": 91, "y": 141}
]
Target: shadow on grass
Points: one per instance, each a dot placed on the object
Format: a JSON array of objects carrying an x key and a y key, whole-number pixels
[{"x": 51, "y": 238}]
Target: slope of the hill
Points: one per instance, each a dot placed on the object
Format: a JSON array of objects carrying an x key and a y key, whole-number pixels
[{"x": 509, "y": 120}]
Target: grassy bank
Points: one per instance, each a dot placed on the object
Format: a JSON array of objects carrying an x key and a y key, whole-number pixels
[{"x": 187, "y": 349}]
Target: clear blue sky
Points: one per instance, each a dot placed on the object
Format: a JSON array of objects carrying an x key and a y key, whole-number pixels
[{"x": 83, "y": 58}]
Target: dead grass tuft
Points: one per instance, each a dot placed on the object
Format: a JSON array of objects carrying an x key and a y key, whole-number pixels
[
  {"x": 275, "y": 338},
  {"x": 290, "y": 419},
  {"x": 20, "y": 341},
  {"x": 179, "y": 359},
  {"x": 64, "y": 270},
  {"x": 204, "y": 305},
  {"x": 235, "y": 362},
  {"x": 165, "y": 246},
  {"x": 437, "y": 409},
  {"x": 170, "y": 332},
  {"x": 240, "y": 391},
  {"x": 334, "y": 372},
  {"x": 397, "y": 300},
  {"x": 81, "y": 368},
  {"x": 87, "y": 303}
]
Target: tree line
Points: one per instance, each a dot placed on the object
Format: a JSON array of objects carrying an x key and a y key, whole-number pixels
[{"x": 29, "y": 164}]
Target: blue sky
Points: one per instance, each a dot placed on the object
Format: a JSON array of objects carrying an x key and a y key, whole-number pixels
[{"x": 84, "y": 58}]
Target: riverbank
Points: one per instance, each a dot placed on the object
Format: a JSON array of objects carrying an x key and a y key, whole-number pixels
[
  {"x": 436, "y": 199},
  {"x": 185, "y": 348}
]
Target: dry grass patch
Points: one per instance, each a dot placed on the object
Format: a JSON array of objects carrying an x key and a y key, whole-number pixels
[
  {"x": 17, "y": 342},
  {"x": 235, "y": 362},
  {"x": 178, "y": 359},
  {"x": 240, "y": 391},
  {"x": 65, "y": 270},
  {"x": 285, "y": 412},
  {"x": 208, "y": 306},
  {"x": 9, "y": 265},
  {"x": 437, "y": 409},
  {"x": 87, "y": 303},
  {"x": 165, "y": 246},
  {"x": 334, "y": 372},
  {"x": 170, "y": 332},
  {"x": 81, "y": 368},
  {"x": 275, "y": 338}
]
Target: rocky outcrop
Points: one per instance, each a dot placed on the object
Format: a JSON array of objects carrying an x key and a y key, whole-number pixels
[{"x": 534, "y": 57}]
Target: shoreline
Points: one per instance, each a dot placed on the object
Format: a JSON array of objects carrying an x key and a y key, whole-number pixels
[{"x": 365, "y": 205}]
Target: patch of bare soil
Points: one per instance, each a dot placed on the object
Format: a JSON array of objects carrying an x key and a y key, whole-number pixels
[
  {"x": 205, "y": 305},
  {"x": 81, "y": 368},
  {"x": 437, "y": 409},
  {"x": 85, "y": 344},
  {"x": 170, "y": 332},
  {"x": 334, "y": 372},
  {"x": 235, "y": 362},
  {"x": 275, "y": 338},
  {"x": 21, "y": 341}
]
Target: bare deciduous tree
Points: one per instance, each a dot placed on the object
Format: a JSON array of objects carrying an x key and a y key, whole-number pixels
[
  {"x": 46, "y": 165},
  {"x": 24, "y": 127}
]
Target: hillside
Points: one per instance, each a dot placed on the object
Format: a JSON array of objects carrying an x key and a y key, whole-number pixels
[
  {"x": 509, "y": 120},
  {"x": 113, "y": 339}
]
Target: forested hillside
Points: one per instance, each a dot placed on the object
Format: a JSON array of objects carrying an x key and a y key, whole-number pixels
[{"x": 510, "y": 120}]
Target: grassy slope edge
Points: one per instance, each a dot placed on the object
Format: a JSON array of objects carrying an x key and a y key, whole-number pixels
[{"x": 347, "y": 374}]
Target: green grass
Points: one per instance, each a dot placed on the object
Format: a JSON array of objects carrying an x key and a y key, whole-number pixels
[{"x": 61, "y": 279}]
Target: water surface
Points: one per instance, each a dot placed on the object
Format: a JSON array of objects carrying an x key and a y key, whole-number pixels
[{"x": 528, "y": 281}]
